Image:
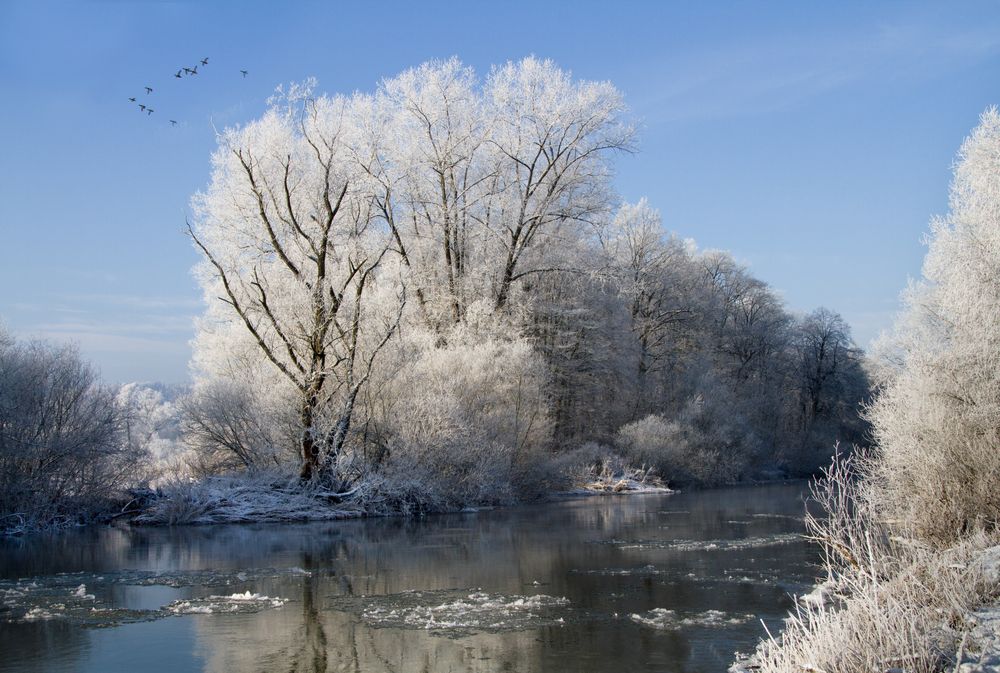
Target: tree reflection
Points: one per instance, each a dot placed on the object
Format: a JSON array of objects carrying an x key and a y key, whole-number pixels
[{"x": 311, "y": 656}]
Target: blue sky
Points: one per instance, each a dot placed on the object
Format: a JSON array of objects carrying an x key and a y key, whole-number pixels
[{"x": 813, "y": 140}]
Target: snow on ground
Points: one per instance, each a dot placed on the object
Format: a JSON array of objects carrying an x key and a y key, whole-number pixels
[{"x": 982, "y": 649}]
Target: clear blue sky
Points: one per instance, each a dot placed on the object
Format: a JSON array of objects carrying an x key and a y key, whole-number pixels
[{"x": 813, "y": 140}]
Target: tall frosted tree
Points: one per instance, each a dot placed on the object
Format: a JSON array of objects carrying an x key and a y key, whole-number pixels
[
  {"x": 937, "y": 418},
  {"x": 292, "y": 252}
]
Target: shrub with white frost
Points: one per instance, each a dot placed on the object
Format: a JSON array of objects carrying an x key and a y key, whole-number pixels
[
  {"x": 707, "y": 443},
  {"x": 63, "y": 450},
  {"x": 467, "y": 417}
]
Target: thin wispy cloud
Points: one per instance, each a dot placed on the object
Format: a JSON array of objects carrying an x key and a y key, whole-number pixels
[
  {"x": 768, "y": 75},
  {"x": 106, "y": 342},
  {"x": 137, "y": 301},
  {"x": 143, "y": 325}
]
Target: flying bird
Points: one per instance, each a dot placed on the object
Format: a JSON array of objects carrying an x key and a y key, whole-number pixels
[
  {"x": 244, "y": 73},
  {"x": 149, "y": 110},
  {"x": 189, "y": 71},
  {"x": 178, "y": 75},
  {"x": 131, "y": 100},
  {"x": 173, "y": 122},
  {"x": 142, "y": 107},
  {"x": 204, "y": 61},
  {"x": 149, "y": 90}
]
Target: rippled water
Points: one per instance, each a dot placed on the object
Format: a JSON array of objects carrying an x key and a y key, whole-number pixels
[{"x": 615, "y": 583}]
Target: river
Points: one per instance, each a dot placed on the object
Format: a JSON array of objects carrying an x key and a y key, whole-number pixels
[{"x": 604, "y": 584}]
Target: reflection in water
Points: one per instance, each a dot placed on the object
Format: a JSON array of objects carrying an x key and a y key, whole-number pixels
[
  {"x": 312, "y": 654},
  {"x": 636, "y": 583}
]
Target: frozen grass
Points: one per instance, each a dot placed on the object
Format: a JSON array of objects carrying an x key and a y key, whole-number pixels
[{"x": 889, "y": 603}]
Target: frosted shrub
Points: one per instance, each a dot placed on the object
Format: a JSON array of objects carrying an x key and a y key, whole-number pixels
[
  {"x": 906, "y": 536},
  {"x": 63, "y": 453},
  {"x": 227, "y": 427},
  {"x": 888, "y": 603},
  {"x": 705, "y": 444},
  {"x": 469, "y": 418}
]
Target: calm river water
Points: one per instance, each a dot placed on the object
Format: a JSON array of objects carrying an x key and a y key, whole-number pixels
[{"x": 618, "y": 583}]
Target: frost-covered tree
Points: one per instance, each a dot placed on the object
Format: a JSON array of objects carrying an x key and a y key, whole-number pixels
[
  {"x": 292, "y": 254},
  {"x": 551, "y": 139},
  {"x": 653, "y": 273},
  {"x": 937, "y": 416}
]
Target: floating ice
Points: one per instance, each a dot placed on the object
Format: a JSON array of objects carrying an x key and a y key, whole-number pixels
[
  {"x": 243, "y": 603},
  {"x": 661, "y": 618},
  {"x": 71, "y": 596},
  {"x": 36, "y": 614},
  {"x": 642, "y": 571},
  {"x": 81, "y": 592},
  {"x": 709, "y": 545},
  {"x": 476, "y": 611}
]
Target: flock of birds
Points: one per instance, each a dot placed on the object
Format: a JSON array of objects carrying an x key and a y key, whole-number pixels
[{"x": 180, "y": 74}]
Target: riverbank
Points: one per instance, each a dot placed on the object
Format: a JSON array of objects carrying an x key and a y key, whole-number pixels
[
  {"x": 890, "y": 601},
  {"x": 273, "y": 498}
]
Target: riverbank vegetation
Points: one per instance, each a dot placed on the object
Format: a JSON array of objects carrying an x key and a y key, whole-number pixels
[
  {"x": 911, "y": 526},
  {"x": 430, "y": 297}
]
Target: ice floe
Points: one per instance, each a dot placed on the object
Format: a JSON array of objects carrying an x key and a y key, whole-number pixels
[
  {"x": 462, "y": 612},
  {"x": 661, "y": 618},
  {"x": 243, "y": 603},
  {"x": 709, "y": 545}
]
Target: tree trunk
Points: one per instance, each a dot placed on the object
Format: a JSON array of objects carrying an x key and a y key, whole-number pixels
[{"x": 309, "y": 447}]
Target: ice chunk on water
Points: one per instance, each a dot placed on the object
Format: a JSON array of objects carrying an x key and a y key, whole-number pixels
[
  {"x": 81, "y": 592},
  {"x": 243, "y": 603},
  {"x": 661, "y": 618},
  {"x": 37, "y": 614},
  {"x": 710, "y": 545},
  {"x": 469, "y": 612}
]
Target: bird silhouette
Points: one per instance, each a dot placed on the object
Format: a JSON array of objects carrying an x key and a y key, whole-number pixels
[
  {"x": 173, "y": 122},
  {"x": 194, "y": 70},
  {"x": 204, "y": 61},
  {"x": 189, "y": 71},
  {"x": 142, "y": 107},
  {"x": 131, "y": 100},
  {"x": 149, "y": 110},
  {"x": 178, "y": 75},
  {"x": 244, "y": 73},
  {"x": 149, "y": 90}
]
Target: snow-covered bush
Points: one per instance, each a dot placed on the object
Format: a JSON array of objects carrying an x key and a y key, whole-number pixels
[
  {"x": 467, "y": 418},
  {"x": 907, "y": 528},
  {"x": 708, "y": 443}
]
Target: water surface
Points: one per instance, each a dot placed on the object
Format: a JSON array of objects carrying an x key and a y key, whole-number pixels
[{"x": 618, "y": 583}]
